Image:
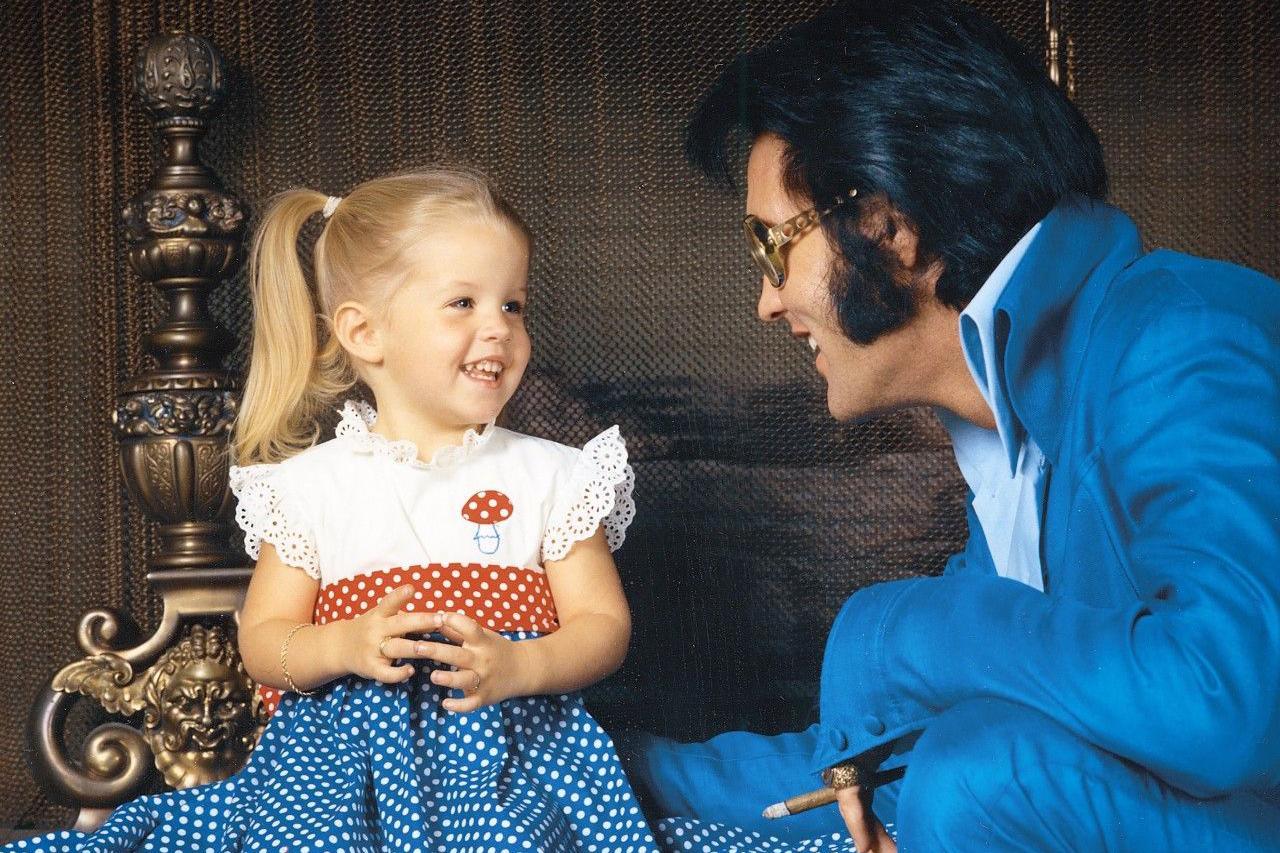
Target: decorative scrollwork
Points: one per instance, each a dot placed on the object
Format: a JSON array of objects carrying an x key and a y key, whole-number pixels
[
  {"x": 107, "y": 678},
  {"x": 185, "y": 213},
  {"x": 201, "y": 716},
  {"x": 103, "y": 630},
  {"x": 186, "y": 413}
]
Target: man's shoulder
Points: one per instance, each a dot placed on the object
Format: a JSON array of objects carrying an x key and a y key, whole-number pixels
[{"x": 1167, "y": 293}]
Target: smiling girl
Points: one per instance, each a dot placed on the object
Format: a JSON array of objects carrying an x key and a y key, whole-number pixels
[{"x": 430, "y": 589}]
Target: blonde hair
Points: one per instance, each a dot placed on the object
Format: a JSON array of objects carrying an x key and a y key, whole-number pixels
[{"x": 297, "y": 367}]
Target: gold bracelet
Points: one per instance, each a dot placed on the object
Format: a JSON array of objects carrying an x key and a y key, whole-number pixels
[{"x": 284, "y": 653}]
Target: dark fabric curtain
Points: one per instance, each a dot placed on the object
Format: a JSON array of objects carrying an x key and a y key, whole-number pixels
[{"x": 757, "y": 514}]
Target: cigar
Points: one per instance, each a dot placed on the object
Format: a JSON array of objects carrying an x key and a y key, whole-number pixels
[{"x": 827, "y": 794}]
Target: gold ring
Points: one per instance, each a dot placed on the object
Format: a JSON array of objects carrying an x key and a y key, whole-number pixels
[
  {"x": 841, "y": 776},
  {"x": 476, "y": 687},
  {"x": 383, "y": 643}
]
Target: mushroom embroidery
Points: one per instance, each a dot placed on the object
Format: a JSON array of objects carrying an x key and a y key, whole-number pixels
[{"x": 485, "y": 510}]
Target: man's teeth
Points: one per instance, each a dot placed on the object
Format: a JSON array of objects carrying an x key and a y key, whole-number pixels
[
  {"x": 813, "y": 345},
  {"x": 487, "y": 370}
]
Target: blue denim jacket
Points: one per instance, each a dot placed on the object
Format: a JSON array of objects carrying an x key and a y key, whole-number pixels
[{"x": 1151, "y": 381}]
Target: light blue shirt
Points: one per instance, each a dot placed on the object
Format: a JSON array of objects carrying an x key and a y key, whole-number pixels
[{"x": 1002, "y": 467}]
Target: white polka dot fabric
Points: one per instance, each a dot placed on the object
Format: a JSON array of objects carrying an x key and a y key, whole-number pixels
[
  {"x": 363, "y": 766},
  {"x": 680, "y": 834},
  {"x": 504, "y": 599}
]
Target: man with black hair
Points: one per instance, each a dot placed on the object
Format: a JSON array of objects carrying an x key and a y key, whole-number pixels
[{"x": 1099, "y": 668}]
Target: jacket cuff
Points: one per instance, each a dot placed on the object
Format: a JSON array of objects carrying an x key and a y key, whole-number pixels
[{"x": 859, "y": 709}]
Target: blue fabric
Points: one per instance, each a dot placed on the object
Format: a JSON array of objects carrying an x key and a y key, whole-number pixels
[
  {"x": 1151, "y": 382},
  {"x": 994, "y": 775},
  {"x": 363, "y": 766},
  {"x": 733, "y": 777},
  {"x": 981, "y": 342},
  {"x": 1002, "y": 467},
  {"x": 986, "y": 775}
]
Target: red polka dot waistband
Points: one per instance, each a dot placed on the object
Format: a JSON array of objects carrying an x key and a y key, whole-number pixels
[{"x": 501, "y": 598}]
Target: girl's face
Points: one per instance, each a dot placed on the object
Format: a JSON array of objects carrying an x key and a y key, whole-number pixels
[{"x": 454, "y": 343}]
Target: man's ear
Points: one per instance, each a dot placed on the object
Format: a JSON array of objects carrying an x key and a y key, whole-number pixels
[
  {"x": 899, "y": 242},
  {"x": 356, "y": 330},
  {"x": 887, "y": 227}
]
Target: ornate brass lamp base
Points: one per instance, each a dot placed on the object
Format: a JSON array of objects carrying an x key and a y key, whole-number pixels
[
  {"x": 199, "y": 713},
  {"x": 201, "y": 716}
]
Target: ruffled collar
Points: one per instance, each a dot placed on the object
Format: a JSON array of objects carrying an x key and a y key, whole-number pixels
[{"x": 354, "y": 429}]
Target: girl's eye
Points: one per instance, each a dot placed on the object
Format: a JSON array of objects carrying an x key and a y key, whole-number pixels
[
  {"x": 514, "y": 307},
  {"x": 464, "y": 302}
]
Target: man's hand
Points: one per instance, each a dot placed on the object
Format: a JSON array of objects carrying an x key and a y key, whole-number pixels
[{"x": 867, "y": 831}]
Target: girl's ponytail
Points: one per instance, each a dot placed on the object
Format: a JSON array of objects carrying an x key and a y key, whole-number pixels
[{"x": 292, "y": 377}]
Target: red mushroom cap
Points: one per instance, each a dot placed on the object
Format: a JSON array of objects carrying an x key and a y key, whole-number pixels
[{"x": 488, "y": 507}]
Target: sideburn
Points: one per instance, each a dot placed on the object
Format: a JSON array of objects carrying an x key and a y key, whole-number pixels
[{"x": 873, "y": 292}]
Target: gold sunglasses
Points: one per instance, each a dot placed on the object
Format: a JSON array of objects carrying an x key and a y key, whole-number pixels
[{"x": 766, "y": 243}]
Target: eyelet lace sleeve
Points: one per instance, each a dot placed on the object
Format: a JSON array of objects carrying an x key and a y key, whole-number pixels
[
  {"x": 598, "y": 493},
  {"x": 264, "y": 514}
]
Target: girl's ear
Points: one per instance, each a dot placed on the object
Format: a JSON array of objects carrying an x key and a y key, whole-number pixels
[{"x": 355, "y": 329}]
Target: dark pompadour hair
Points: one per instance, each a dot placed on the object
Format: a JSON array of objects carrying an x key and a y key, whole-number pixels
[{"x": 924, "y": 103}]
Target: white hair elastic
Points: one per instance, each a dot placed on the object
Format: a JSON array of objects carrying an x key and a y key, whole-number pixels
[{"x": 330, "y": 205}]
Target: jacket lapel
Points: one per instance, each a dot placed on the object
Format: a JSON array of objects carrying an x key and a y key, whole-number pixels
[{"x": 1046, "y": 310}]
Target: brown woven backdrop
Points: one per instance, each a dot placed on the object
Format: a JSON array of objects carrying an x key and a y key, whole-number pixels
[{"x": 757, "y": 514}]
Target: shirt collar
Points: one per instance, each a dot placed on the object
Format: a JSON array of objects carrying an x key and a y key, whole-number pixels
[
  {"x": 983, "y": 335},
  {"x": 358, "y": 416}
]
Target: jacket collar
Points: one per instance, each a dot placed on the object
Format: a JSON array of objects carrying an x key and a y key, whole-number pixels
[{"x": 1045, "y": 312}]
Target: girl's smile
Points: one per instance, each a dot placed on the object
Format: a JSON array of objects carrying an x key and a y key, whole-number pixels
[{"x": 486, "y": 371}]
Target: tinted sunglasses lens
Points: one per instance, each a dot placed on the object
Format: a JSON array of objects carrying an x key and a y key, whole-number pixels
[{"x": 769, "y": 262}]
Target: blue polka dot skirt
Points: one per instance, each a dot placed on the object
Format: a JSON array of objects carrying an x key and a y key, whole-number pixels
[
  {"x": 362, "y": 766},
  {"x": 681, "y": 834}
]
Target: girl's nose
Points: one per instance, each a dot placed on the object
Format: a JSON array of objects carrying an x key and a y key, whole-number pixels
[
  {"x": 769, "y": 308},
  {"x": 497, "y": 328}
]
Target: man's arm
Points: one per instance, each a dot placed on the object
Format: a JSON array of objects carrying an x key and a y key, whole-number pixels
[{"x": 1186, "y": 679}]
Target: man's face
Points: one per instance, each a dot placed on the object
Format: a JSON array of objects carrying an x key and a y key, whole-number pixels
[{"x": 892, "y": 372}]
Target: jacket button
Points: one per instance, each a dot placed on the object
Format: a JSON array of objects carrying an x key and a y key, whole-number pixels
[
  {"x": 873, "y": 724},
  {"x": 839, "y": 743}
]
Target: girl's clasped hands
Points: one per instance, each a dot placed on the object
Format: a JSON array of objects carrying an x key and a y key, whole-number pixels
[{"x": 484, "y": 665}]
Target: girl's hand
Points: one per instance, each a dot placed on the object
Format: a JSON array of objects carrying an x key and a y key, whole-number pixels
[
  {"x": 368, "y": 644},
  {"x": 487, "y": 666}
]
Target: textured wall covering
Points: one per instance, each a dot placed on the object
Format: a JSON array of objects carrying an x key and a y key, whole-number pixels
[{"x": 757, "y": 514}]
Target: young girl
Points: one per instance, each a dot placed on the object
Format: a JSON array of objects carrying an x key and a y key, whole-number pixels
[{"x": 430, "y": 588}]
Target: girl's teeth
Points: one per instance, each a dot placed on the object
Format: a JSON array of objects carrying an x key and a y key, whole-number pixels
[{"x": 488, "y": 370}]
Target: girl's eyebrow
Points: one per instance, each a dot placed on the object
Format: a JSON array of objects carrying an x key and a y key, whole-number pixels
[{"x": 522, "y": 290}]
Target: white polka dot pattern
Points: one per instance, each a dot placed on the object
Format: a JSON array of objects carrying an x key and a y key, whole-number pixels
[
  {"x": 363, "y": 766},
  {"x": 680, "y": 834},
  {"x": 501, "y": 598}
]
